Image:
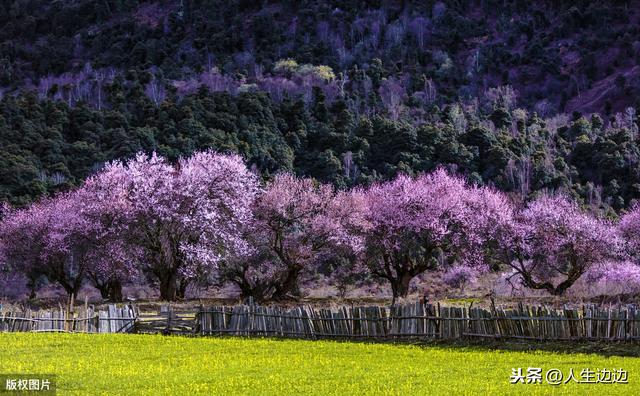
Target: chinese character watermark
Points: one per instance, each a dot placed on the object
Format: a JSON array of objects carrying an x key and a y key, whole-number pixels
[
  {"x": 42, "y": 384},
  {"x": 554, "y": 376}
]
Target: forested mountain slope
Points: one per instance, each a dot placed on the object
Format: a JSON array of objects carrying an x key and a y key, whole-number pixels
[{"x": 528, "y": 96}]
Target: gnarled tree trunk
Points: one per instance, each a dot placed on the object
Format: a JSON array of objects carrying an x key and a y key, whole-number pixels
[
  {"x": 400, "y": 285},
  {"x": 168, "y": 285},
  {"x": 288, "y": 287},
  {"x": 181, "y": 291},
  {"x": 114, "y": 290}
]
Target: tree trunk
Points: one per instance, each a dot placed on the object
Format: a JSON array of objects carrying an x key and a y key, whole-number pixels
[
  {"x": 181, "y": 292},
  {"x": 258, "y": 292},
  {"x": 71, "y": 289},
  {"x": 103, "y": 288},
  {"x": 32, "y": 284},
  {"x": 114, "y": 290},
  {"x": 168, "y": 286},
  {"x": 559, "y": 290},
  {"x": 288, "y": 287},
  {"x": 400, "y": 286},
  {"x": 109, "y": 290}
]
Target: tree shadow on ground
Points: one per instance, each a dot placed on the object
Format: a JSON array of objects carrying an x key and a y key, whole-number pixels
[
  {"x": 608, "y": 348},
  {"x": 602, "y": 348}
]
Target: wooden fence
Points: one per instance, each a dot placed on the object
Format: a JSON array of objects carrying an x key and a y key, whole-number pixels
[
  {"x": 167, "y": 320},
  {"x": 417, "y": 320},
  {"x": 83, "y": 320},
  {"x": 422, "y": 321}
]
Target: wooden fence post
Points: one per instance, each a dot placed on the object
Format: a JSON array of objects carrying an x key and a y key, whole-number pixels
[
  {"x": 167, "y": 330},
  {"x": 439, "y": 322}
]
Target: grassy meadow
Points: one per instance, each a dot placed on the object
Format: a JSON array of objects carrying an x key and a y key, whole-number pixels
[{"x": 157, "y": 365}]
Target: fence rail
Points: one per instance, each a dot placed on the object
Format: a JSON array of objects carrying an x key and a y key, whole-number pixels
[
  {"x": 112, "y": 320},
  {"x": 166, "y": 321},
  {"x": 420, "y": 320}
]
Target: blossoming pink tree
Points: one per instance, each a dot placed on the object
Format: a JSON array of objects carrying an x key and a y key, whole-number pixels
[
  {"x": 71, "y": 237},
  {"x": 551, "y": 243},
  {"x": 113, "y": 257},
  {"x": 50, "y": 238},
  {"x": 5, "y": 210},
  {"x": 22, "y": 237},
  {"x": 611, "y": 278},
  {"x": 12, "y": 283},
  {"x": 170, "y": 222},
  {"x": 297, "y": 225},
  {"x": 182, "y": 218},
  {"x": 112, "y": 264},
  {"x": 630, "y": 231},
  {"x": 414, "y": 224},
  {"x": 459, "y": 276}
]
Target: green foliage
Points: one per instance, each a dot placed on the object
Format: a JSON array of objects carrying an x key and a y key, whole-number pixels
[{"x": 48, "y": 146}]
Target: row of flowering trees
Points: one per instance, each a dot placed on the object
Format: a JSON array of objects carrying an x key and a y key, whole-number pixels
[{"x": 208, "y": 218}]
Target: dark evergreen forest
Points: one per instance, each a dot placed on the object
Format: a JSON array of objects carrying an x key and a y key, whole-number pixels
[{"x": 526, "y": 96}]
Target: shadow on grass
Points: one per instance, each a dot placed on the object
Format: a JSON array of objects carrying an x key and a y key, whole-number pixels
[{"x": 610, "y": 348}]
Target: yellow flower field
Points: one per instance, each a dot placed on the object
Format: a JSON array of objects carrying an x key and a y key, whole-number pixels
[{"x": 122, "y": 364}]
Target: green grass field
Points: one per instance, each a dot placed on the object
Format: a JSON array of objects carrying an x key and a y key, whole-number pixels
[{"x": 158, "y": 365}]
